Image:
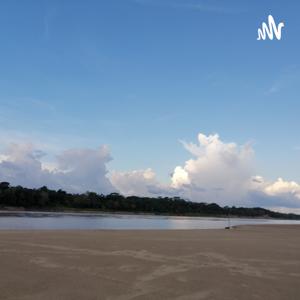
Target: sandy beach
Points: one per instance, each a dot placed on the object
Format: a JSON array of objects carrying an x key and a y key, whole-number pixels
[{"x": 248, "y": 262}]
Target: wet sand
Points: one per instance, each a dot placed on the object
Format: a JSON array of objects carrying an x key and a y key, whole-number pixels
[{"x": 249, "y": 262}]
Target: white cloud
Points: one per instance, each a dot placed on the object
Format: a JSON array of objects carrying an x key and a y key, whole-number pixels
[
  {"x": 222, "y": 172},
  {"x": 217, "y": 172},
  {"x": 282, "y": 188},
  {"x": 84, "y": 169},
  {"x": 134, "y": 182},
  {"x": 277, "y": 194},
  {"x": 138, "y": 182},
  {"x": 286, "y": 210},
  {"x": 180, "y": 178},
  {"x": 75, "y": 170}
]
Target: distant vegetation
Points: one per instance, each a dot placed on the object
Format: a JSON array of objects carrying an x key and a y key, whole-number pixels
[{"x": 45, "y": 199}]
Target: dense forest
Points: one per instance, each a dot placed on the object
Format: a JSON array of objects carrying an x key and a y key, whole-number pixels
[{"x": 45, "y": 199}]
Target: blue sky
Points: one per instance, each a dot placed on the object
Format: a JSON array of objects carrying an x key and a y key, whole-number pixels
[{"x": 141, "y": 75}]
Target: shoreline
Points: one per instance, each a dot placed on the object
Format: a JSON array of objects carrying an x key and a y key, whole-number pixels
[
  {"x": 248, "y": 262},
  {"x": 4, "y": 212},
  {"x": 32, "y": 220}
]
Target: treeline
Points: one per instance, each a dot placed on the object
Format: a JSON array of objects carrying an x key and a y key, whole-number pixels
[{"x": 45, "y": 199}]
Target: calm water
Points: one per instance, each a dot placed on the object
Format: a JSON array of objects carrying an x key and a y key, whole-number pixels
[{"x": 34, "y": 220}]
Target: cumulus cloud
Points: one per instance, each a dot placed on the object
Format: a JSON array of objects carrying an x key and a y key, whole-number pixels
[
  {"x": 139, "y": 182},
  {"x": 223, "y": 173},
  {"x": 279, "y": 195},
  {"x": 135, "y": 182},
  {"x": 85, "y": 169},
  {"x": 217, "y": 171},
  {"x": 75, "y": 170},
  {"x": 20, "y": 164},
  {"x": 283, "y": 188}
]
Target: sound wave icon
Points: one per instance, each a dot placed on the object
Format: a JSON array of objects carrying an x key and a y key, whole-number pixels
[{"x": 270, "y": 29}]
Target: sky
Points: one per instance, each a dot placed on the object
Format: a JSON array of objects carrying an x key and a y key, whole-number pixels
[{"x": 152, "y": 97}]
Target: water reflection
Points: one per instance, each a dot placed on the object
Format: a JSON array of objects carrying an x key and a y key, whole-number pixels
[{"x": 38, "y": 220}]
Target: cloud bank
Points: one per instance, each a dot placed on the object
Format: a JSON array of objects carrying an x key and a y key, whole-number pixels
[
  {"x": 216, "y": 172},
  {"x": 74, "y": 170}
]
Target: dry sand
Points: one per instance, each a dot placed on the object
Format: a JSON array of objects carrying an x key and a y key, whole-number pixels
[{"x": 250, "y": 262}]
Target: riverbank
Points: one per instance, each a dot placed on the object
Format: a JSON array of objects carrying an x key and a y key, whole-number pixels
[
  {"x": 96, "y": 221},
  {"x": 248, "y": 262},
  {"x": 12, "y": 211}
]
